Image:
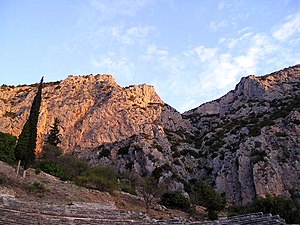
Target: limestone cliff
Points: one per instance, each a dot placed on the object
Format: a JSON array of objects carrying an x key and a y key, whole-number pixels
[
  {"x": 251, "y": 137},
  {"x": 247, "y": 143},
  {"x": 92, "y": 110}
]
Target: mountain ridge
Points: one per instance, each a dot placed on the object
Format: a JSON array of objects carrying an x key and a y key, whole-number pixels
[{"x": 228, "y": 142}]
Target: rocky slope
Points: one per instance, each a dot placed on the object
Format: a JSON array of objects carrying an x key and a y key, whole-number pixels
[
  {"x": 251, "y": 137},
  {"x": 95, "y": 111},
  {"x": 245, "y": 144},
  {"x": 92, "y": 110}
]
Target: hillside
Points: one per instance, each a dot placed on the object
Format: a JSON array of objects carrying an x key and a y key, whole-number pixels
[
  {"x": 44, "y": 199},
  {"x": 245, "y": 144},
  {"x": 48, "y": 192}
]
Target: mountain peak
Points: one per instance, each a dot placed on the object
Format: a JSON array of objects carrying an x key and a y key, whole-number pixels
[
  {"x": 229, "y": 142},
  {"x": 276, "y": 85}
]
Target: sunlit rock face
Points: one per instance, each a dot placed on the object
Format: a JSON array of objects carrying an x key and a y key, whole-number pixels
[
  {"x": 92, "y": 110},
  {"x": 245, "y": 143}
]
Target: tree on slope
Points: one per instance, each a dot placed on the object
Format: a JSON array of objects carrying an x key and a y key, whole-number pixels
[
  {"x": 54, "y": 137},
  {"x": 50, "y": 150},
  {"x": 7, "y": 147},
  {"x": 25, "y": 149}
]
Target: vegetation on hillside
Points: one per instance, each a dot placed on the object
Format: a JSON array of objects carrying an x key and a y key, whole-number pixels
[
  {"x": 202, "y": 194},
  {"x": 7, "y": 146},
  {"x": 288, "y": 209},
  {"x": 25, "y": 148},
  {"x": 175, "y": 200},
  {"x": 54, "y": 137}
]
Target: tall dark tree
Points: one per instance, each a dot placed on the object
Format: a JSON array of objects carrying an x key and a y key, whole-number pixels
[
  {"x": 54, "y": 137},
  {"x": 25, "y": 149}
]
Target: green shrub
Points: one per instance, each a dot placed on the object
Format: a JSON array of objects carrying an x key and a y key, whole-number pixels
[
  {"x": 174, "y": 148},
  {"x": 129, "y": 165},
  {"x": 102, "y": 178},
  {"x": 286, "y": 208},
  {"x": 280, "y": 113},
  {"x": 212, "y": 215},
  {"x": 158, "y": 147},
  {"x": 176, "y": 154},
  {"x": 51, "y": 152},
  {"x": 266, "y": 122},
  {"x": 38, "y": 188},
  {"x": 7, "y": 145},
  {"x": 159, "y": 170},
  {"x": 198, "y": 142},
  {"x": 103, "y": 152},
  {"x": 49, "y": 167},
  {"x": 177, "y": 162},
  {"x": 175, "y": 200},
  {"x": 124, "y": 150},
  {"x": 254, "y": 130},
  {"x": 204, "y": 195},
  {"x": 71, "y": 166},
  {"x": 190, "y": 152},
  {"x": 258, "y": 156},
  {"x": 281, "y": 134},
  {"x": 127, "y": 187}
]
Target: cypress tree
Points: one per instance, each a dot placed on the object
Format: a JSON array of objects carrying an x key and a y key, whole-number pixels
[
  {"x": 25, "y": 149},
  {"x": 53, "y": 137}
]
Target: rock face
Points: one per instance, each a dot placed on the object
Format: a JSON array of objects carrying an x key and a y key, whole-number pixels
[
  {"x": 252, "y": 136},
  {"x": 92, "y": 110},
  {"x": 247, "y": 143}
]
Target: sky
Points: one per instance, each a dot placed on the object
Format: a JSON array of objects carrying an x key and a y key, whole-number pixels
[{"x": 191, "y": 51}]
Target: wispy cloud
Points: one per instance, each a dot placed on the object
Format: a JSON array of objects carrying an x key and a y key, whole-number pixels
[
  {"x": 207, "y": 73},
  {"x": 194, "y": 75},
  {"x": 205, "y": 54},
  {"x": 289, "y": 28},
  {"x": 215, "y": 26},
  {"x": 122, "y": 67},
  {"x": 132, "y": 35},
  {"x": 153, "y": 52}
]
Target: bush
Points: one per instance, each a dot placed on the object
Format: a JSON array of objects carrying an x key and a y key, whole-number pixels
[
  {"x": 127, "y": 187},
  {"x": 124, "y": 150},
  {"x": 7, "y": 145},
  {"x": 49, "y": 167},
  {"x": 71, "y": 166},
  {"x": 212, "y": 215},
  {"x": 254, "y": 130},
  {"x": 103, "y": 152},
  {"x": 101, "y": 178},
  {"x": 175, "y": 200},
  {"x": 159, "y": 170},
  {"x": 286, "y": 208},
  {"x": 176, "y": 154},
  {"x": 158, "y": 147},
  {"x": 51, "y": 152},
  {"x": 38, "y": 188},
  {"x": 258, "y": 156},
  {"x": 206, "y": 196},
  {"x": 202, "y": 194}
]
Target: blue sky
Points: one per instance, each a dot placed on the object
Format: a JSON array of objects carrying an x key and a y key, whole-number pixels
[{"x": 192, "y": 51}]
